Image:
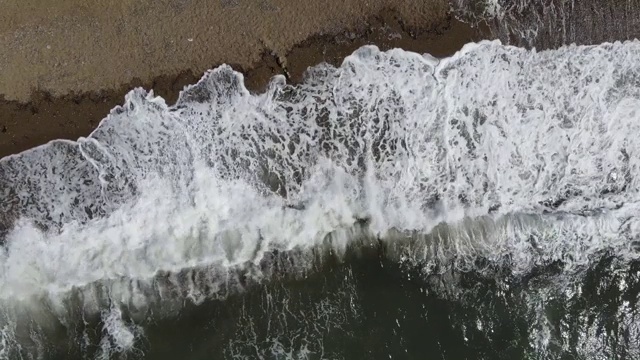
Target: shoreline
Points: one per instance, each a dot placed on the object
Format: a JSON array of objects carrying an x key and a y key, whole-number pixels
[{"x": 46, "y": 117}]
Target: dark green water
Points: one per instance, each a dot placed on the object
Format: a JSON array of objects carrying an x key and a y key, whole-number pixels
[{"x": 369, "y": 307}]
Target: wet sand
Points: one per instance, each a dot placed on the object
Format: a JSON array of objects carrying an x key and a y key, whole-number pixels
[{"x": 63, "y": 67}]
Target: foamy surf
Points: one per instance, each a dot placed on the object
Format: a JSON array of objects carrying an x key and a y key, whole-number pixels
[{"x": 497, "y": 155}]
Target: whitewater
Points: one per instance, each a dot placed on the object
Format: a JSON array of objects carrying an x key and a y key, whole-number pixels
[{"x": 496, "y": 157}]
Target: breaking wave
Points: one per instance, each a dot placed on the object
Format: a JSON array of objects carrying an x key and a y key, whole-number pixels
[{"x": 497, "y": 157}]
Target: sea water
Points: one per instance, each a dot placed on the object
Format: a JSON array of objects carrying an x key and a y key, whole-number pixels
[{"x": 399, "y": 206}]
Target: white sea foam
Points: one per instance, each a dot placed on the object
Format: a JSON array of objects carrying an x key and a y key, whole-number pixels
[
  {"x": 119, "y": 338},
  {"x": 527, "y": 157}
]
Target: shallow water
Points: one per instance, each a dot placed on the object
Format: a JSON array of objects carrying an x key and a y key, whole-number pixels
[
  {"x": 399, "y": 206},
  {"x": 549, "y": 24}
]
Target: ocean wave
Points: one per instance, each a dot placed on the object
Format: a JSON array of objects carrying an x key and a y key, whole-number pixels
[{"x": 520, "y": 157}]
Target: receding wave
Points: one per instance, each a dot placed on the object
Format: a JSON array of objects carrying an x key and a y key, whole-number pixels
[
  {"x": 553, "y": 23},
  {"x": 495, "y": 158}
]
